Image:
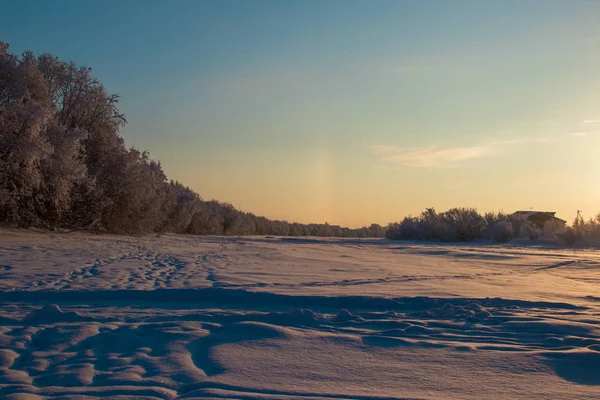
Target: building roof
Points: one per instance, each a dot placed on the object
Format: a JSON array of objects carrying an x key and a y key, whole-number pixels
[{"x": 531, "y": 213}]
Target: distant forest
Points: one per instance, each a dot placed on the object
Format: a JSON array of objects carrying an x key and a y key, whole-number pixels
[{"x": 64, "y": 165}]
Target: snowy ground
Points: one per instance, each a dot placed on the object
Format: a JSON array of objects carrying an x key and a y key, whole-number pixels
[{"x": 283, "y": 318}]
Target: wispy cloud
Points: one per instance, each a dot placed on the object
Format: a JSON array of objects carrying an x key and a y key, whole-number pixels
[
  {"x": 435, "y": 157},
  {"x": 438, "y": 156},
  {"x": 521, "y": 141},
  {"x": 587, "y": 127},
  {"x": 430, "y": 157}
]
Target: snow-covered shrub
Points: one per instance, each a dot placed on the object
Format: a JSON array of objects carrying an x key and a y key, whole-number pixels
[
  {"x": 552, "y": 228},
  {"x": 463, "y": 224},
  {"x": 591, "y": 228},
  {"x": 407, "y": 229},
  {"x": 594, "y": 228},
  {"x": 530, "y": 230},
  {"x": 430, "y": 225},
  {"x": 501, "y": 231},
  {"x": 456, "y": 224},
  {"x": 592, "y": 232},
  {"x": 518, "y": 222},
  {"x": 570, "y": 236},
  {"x": 492, "y": 218}
]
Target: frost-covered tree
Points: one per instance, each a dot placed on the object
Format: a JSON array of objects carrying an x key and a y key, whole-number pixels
[
  {"x": 64, "y": 164},
  {"x": 63, "y": 169},
  {"x": 24, "y": 117},
  {"x": 180, "y": 206}
]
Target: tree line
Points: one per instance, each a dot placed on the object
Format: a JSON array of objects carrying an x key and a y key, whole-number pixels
[
  {"x": 64, "y": 164},
  {"x": 466, "y": 224}
]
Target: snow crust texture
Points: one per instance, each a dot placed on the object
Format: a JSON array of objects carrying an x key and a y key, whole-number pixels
[{"x": 283, "y": 318}]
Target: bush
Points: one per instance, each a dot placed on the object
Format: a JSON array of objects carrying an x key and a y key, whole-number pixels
[
  {"x": 530, "y": 230},
  {"x": 456, "y": 224},
  {"x": 463, "y": 224},
  {"x": 491, "y": 219},
  {"x": 501, "y": 231},
  {"x": 518, "y": 222},
  {"x": 552, "y": 228},
  {"x": 430, "y": 225},
  {"x": 591, "y": 228},
  {"x": 407, "y": 229},
  {"x": 570, "y": 236}
]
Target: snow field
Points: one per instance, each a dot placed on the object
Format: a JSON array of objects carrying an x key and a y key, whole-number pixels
[{"x": 282, "y": 318}]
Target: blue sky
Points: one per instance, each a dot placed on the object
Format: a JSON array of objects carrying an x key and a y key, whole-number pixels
[{"x": 349, "y": 112}]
